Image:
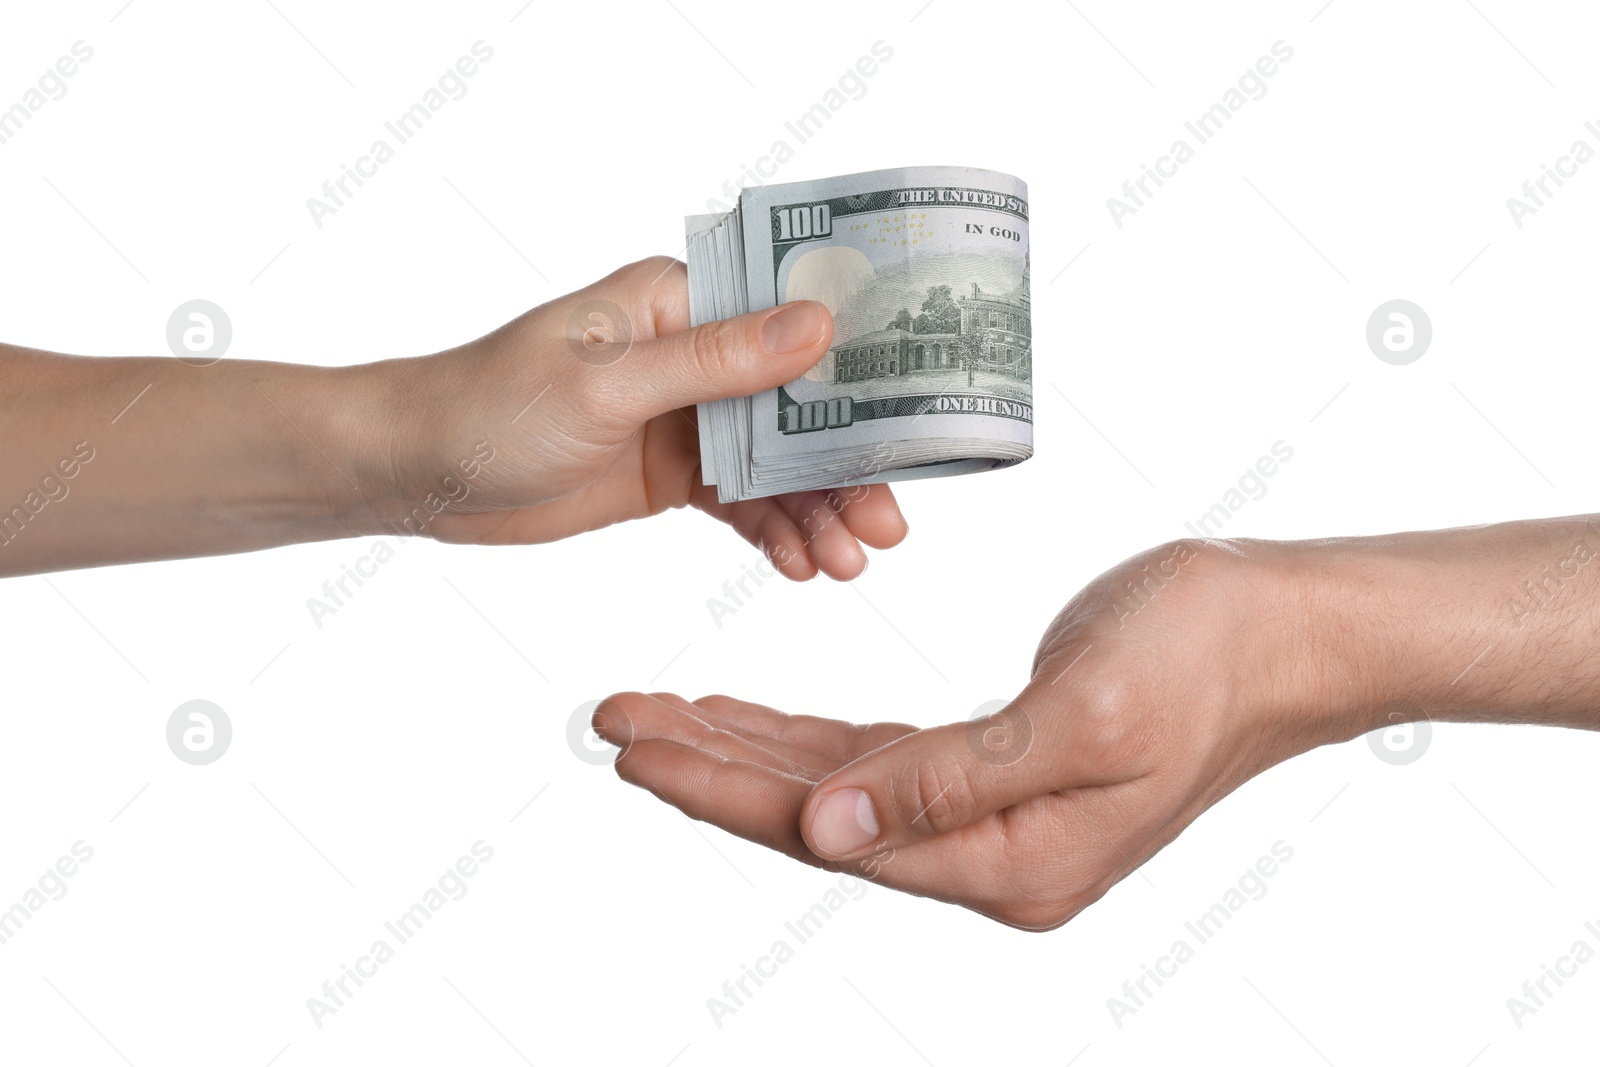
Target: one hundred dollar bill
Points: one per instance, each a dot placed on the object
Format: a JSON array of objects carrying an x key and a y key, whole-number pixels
[{"x": 930, "y": 371}]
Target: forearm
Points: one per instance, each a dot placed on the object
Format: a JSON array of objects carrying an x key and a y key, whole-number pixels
[
  {"x": 1480, "y": 624},
  {"x": 120, "y": 460}
]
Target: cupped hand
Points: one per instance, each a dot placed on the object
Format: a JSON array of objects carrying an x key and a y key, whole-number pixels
[
  {"x": 1163, "y": 686},
  {"x": 580, "y": 414}
]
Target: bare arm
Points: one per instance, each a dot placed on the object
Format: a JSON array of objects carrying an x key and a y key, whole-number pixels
[{"x": 118, "y": 460}]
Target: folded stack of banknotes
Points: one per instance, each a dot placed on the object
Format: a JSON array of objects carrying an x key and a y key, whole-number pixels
[{"x": 930, "y": 370}]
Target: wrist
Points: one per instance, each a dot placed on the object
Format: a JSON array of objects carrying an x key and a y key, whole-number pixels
[
  {"x": 428, "y": 448},
  {"x": 381, "y": 420},
  {"x": 1311, "y": 681}
]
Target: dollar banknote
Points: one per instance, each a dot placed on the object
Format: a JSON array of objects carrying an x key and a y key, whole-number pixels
[{"x": 930, "y": 371}]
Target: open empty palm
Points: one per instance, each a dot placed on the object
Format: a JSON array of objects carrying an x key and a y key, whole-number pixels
[
  {"x": 1138, "y": 716},
  {"x": 750, "y": 769}
]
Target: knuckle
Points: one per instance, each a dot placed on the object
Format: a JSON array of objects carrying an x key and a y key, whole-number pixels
[
  {"x": 644, "y": 271},
  {"x": 1106, "y": 726},
  {"x": 656, "y": 264},
  {"x": 1200, "y": 563},
  {"x": 866, "y": 736},
  {"x": 700, "y": 734},
  {"x": 934, "y": 798},
  {"x": 1180, "y": 552},
  {"x": 1183, "y": 548},
  {"x": 715, "y": 349}
]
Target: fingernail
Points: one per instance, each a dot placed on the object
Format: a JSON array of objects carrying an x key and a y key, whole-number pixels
[
  {"x": 792, "y": 328},
  {"x": 844, "y": 822}
]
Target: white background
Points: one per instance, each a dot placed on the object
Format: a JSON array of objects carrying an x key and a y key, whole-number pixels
[{"x": 370, "y": 753}]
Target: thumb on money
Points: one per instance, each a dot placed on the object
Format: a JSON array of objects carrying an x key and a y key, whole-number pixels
[{"x": 733, "y": 357}]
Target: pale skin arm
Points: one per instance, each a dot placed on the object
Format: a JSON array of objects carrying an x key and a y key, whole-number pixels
[
  {"x": 1142, "y": 712},
  {"x": 559, "y": 422}
]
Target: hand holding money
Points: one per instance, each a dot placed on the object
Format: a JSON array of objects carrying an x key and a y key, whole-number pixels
[
  {"x": 576, "y": 415},
  {"x": 586, "y": 405},
  {"x": 929, "y": 372}
]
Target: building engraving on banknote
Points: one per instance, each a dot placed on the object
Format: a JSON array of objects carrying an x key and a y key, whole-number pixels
[
  {"x": 980, "y": 344},
  {"x": 873, "y": 258},
  {"x": 926, "y": 272}
]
